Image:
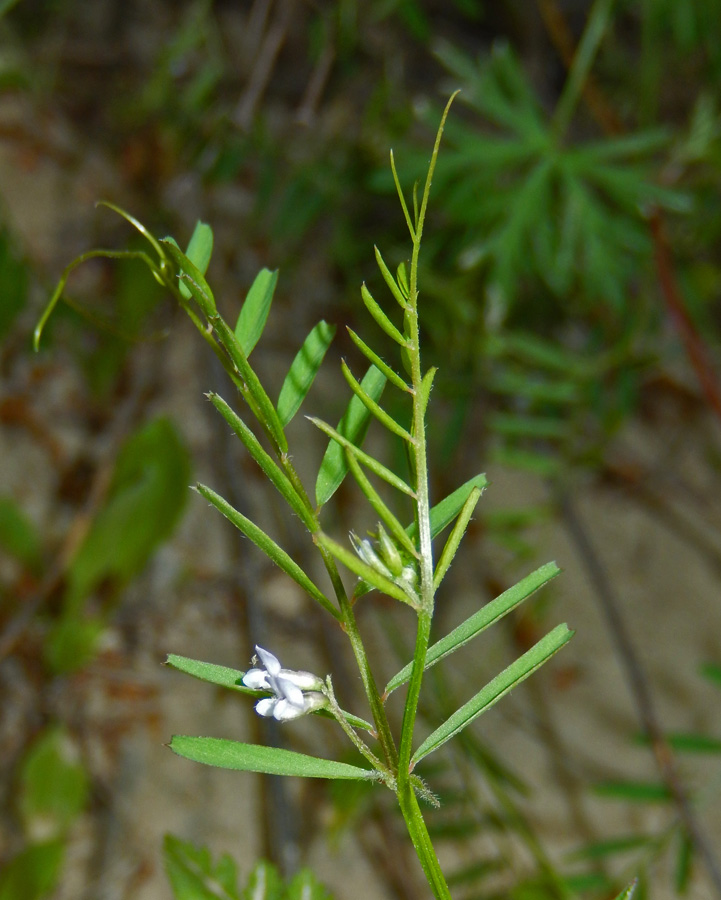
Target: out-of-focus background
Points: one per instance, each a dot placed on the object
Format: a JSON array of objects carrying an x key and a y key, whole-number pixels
[{"x": 570, "y": 292}]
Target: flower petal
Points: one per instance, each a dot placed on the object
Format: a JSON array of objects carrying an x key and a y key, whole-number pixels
[
  {"x": 306, "y": 681},
  {"x": 266, "y": 707},
  {"x": 256, "y": 679},
  {"x": 314, "y": 700},
  {"x": 284, "y": 711},
  {"x": 289, "y": 692},
  {"x": 270, "y": 662}
]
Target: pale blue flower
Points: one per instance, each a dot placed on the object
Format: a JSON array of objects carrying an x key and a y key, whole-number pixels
[{"x": 296, "y": 693}]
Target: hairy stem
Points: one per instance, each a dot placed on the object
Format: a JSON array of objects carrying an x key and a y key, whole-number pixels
[{"x": 406, "y": 795}]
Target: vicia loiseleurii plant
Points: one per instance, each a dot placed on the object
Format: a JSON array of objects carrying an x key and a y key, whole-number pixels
[{"x": 399, "y": 560}]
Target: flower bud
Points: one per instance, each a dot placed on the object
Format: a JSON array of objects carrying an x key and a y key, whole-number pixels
[
  {"x": 365, "y": 551},
  {"x": 389, "y": 551}
]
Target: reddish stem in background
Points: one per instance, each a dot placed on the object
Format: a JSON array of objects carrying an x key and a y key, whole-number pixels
[{"x": 693, "y": 344}]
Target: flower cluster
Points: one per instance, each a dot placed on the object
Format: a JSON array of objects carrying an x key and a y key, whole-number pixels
[
  {"x": 388, "y": 562},
  {"x": 295, "y": 693}
]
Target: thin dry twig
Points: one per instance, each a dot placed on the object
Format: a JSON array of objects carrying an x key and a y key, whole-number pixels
[
  {"x": 264, "y": 65},
  {"x": 308, "y": 108},
  {"x": 639, "y": 685},
  {"x": 692, "y": 341}
]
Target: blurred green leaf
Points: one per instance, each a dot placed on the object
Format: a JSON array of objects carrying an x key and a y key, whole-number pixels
[
  {"x": 194, "y": 876},
  {"x": 684, "y": 862},
  {"x": 305, "y": 886},
  {"x": 34, "y": 873},
  {"x": 13, "y": 278},
  {"x": 256, "y": 758},
  {"x": 147, "y": 494},
  {"x": 511, "y": 425},
  {"x": 18, "y": 536},
  {"x": 264, "y": 883},
  {"x": 712, "y": 672},
  {"x": 633, "y": 791},
  {"x": 474, "y": 872},
  {"x": 255, "y": 309},
  {"x": 610, "y": 847},
  {"x": 544, "y": 464},
  {"x": 53, "y": 786},
  {"x": 303, "y": 370},
  {"x": 687, "y": 742},
  {"x": 72, "y": 641}
]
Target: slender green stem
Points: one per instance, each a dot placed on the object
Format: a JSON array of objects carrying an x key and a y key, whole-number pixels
[
  {"x": 386, "y": 774},
  {"x": 422, "y": 842},
  {"x": 423, "y": 505},
  {"x": 380, "y": 719},
  {"x": 406, "y": 795}
]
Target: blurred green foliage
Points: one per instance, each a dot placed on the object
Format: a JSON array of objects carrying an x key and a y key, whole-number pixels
[
  {"x": 148, "y": 491},
  {"x": 194, "y": 875},
  {"x": 52, "y": 792}
]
